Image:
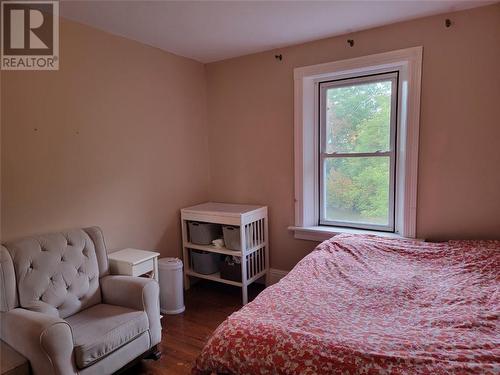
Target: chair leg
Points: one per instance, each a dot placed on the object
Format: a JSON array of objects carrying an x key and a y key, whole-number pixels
[{"x": 154, "y": 353}]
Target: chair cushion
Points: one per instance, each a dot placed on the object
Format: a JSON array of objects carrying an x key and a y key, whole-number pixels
[{"x": 101, "y": 329}]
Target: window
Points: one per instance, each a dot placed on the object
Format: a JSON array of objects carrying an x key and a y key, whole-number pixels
[
  {"x": 356, "y": 145},
  {"x": 357, "y": 151}
]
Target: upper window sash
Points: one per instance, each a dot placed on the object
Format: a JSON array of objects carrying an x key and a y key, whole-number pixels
[{"x": 324, "y": 86}]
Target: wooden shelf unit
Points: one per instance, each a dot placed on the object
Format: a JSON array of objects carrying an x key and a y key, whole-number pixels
[{"x": 253, "y": 224}]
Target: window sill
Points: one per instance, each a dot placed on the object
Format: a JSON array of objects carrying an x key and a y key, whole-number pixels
[{"x": 322, "y": 233}]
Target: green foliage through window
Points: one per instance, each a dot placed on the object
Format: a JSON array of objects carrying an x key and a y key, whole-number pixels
[{"x": 358, "y": 120}]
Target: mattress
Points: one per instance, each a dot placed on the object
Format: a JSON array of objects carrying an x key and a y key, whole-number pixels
[{"x": 370, "y": 305}]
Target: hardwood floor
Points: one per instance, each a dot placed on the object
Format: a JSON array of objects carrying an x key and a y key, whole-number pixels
[{"x": 184, "y": 335}]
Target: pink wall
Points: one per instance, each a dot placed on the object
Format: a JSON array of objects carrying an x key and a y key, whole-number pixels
[
  {"x": 122, "y": 138},
  {"x": 116, "y": 138},
  {"x": 250, "y": 107}
]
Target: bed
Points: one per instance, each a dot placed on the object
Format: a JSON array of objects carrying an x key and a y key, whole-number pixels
[{"x": 369, "y": 305}]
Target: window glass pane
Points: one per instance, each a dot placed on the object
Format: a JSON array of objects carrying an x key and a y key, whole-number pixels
[
  {"x": 358, "y": 118},
  {"x": 357, "y": 189}
]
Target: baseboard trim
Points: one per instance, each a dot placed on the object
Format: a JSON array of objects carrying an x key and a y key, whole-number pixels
[{"x": 276, "y": 275}]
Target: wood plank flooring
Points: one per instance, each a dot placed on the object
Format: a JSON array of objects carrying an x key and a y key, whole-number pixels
[{"x": 184, "y": 335}]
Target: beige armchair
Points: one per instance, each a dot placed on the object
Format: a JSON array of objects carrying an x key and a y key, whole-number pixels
[{"x": 62, "y": 310}]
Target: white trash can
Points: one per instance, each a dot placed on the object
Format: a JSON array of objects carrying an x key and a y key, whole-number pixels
[{"x": 171, "y": 288}]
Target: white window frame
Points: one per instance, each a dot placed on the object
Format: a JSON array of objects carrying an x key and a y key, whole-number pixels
[{"x": 408, "y": 63}]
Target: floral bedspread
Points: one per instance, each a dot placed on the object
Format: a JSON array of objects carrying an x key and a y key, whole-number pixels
[{"x": 369, "y": 305}]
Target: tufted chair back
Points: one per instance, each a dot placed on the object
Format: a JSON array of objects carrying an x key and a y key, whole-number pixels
[
  {"x": 58, "y": 273},
  {"x": 8, "y": 293}
]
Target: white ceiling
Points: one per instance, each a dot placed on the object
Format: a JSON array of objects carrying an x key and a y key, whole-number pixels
[{"x": 208, "y": 31}]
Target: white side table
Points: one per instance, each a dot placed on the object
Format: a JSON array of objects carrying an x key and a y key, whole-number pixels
[{"x": 134, "y": 262}]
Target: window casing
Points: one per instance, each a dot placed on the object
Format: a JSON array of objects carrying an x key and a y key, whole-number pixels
[
  {"x": 329, "y": 156},
  {"x": 307, "y": 80}
]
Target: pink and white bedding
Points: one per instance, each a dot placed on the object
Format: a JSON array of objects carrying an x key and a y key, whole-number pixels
[{"x": 368, "y": 305}]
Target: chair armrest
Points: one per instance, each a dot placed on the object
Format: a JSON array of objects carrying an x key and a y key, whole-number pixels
[
  {"x": 46, "y": 341},
  {"x": 136, "y": 293}
]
